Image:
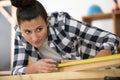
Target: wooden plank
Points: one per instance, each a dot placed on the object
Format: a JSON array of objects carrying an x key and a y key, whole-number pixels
[
  {"x": 5, "y": 73},
  {"x": 14, "y": 15},
  {"x": 90, "y": 18},
  {"x": 7, "y": 15},
  {"x": 90, "y": 60},
  {"x": 82, "y": 75},
  {"x": 10, "y": 18},
  {"x": 98, "y": 16},
  {"x": 87, "y": 65},
  {"x": 5, "y": 3},
  {"x": 95, "y": 65}
]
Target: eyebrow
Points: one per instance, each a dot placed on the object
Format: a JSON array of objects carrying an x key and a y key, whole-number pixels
[
  {"x": 35, "y": 28},
  {"x": 39, "y": 27}
]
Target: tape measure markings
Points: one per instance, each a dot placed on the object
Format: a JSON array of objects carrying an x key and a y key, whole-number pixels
[{"x": 91, "y": 60}]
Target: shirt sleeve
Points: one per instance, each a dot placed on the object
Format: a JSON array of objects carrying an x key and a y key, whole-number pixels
[
  {"x": 90, "y": 35},
  {"x": 20, "y": 57},
  {"x": 100, "y": 38},
  {"x": 110, "y": 42}
]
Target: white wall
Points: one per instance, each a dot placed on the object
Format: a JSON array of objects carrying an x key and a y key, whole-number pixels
[
  {"x": 79, "y": 8},
  {"x": 5, "y": 42}
]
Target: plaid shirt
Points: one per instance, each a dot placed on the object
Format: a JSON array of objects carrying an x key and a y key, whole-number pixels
[{"x": 70, "y": 38}]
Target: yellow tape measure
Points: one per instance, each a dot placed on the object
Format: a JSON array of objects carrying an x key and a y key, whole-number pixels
[{"x": 91, "y": 60}]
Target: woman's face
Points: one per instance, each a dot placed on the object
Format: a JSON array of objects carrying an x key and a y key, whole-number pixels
[{"x": 34, "y": 31}]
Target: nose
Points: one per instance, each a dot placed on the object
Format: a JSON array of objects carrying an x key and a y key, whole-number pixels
[{"x": 34, "y": 37}]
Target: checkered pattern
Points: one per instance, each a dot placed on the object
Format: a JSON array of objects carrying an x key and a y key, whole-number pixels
[{"x": 70, "y": 38}]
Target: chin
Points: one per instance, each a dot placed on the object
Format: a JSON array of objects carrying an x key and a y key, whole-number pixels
[{"x": 38, "y": 46}]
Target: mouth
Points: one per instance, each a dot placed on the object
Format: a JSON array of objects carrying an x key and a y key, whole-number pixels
[{"x": 38, "y": 43}]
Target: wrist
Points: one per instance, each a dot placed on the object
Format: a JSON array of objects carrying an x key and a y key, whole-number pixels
[{"x": 30, "y": 69}]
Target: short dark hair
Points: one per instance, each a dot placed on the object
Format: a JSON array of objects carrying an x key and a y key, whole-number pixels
[{"x": 28, "y": 10}]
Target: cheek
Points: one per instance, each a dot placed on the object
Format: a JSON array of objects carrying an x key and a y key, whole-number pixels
[
  {"x": 44, "y": 33},
  {"x": 27, "y": 38}
]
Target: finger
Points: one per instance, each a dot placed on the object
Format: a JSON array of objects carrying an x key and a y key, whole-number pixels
[
  {"x": 49, "y": 69},
  {"x": 50, "y": 64},
  {"x": 49, "y": 60}
]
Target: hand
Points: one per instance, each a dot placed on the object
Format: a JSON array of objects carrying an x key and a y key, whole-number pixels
[
  {"x": 104, "y": 53},
  {"x": 42, "y": 66},
  {"x": 46, "y": 65}
]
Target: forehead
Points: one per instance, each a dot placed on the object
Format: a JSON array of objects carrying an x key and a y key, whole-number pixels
[{"x": 32, "y": 24}]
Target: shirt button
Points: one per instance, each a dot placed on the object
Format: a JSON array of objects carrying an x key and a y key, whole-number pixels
[{"x": 72, "y": 47}]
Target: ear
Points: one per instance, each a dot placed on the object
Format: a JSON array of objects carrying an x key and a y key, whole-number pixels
[{"x": 47, "y": 21}]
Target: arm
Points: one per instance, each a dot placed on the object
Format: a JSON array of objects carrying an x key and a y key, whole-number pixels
[
  {"x": 95, "y": 41},
  {"x": 20, "y": 58},
  {"x": 41, "y": 66},
  {"x": 109, "y": 45},
  {"x": 104, "y": 53},
  {"x": 106, "y": 42}
]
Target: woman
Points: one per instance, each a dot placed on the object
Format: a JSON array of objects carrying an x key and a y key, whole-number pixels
[{"x": 55, "y": 37}]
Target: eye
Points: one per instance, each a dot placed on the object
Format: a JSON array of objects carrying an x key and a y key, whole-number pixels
[
  {"x": 27, "y": 31},
  {"x": 39, "y": 29}
]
